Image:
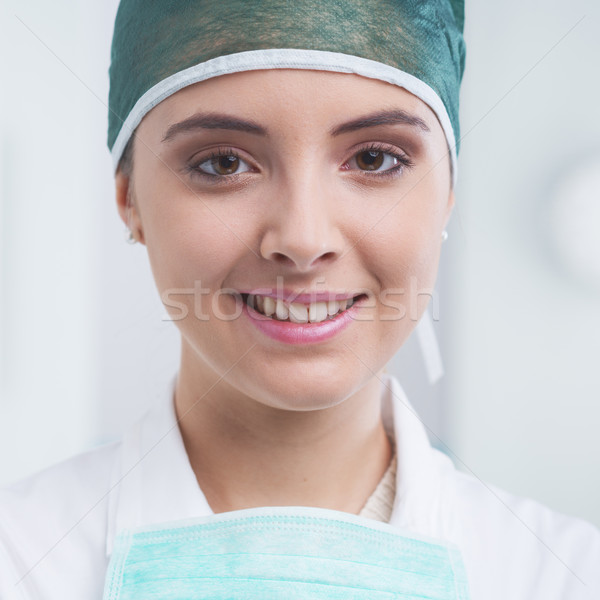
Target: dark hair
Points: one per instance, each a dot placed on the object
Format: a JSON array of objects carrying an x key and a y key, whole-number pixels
[{"x": 126, "y": 161}]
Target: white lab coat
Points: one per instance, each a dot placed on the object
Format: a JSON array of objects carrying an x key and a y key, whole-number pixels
[{"x": 57, "y": 528}]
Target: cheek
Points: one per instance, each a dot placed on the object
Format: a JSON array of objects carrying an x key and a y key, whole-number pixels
[
  {"x": 407, "y": 252},
  {"x": 404, "y": 251},
  {"x": 408, "y": 246},
  {"x": 190, "y": 243},
  {"x": 406, "y": 285}
]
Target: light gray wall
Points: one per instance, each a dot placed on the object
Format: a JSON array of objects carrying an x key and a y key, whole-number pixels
[
  {"x": 523, "y": 342},
  {"x": 83, "y": 346}
]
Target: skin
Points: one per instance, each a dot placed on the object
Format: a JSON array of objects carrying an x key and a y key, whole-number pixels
[{"x": 267, "y": 423}]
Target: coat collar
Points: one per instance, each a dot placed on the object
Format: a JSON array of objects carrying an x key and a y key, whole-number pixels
[{"x": 153, "y": 481}]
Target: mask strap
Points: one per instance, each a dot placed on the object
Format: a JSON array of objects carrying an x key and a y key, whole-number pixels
[{"x": 430, "y": 348}]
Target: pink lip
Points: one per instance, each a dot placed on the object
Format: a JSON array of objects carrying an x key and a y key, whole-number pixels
[
  {"x": 299, "y": 333},
  {"x": 289, "y": 296}
]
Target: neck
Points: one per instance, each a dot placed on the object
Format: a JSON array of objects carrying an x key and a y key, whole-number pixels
[{"x": 245, "y": 453}]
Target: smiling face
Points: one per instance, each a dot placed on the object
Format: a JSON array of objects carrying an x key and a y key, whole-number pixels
[{"x": 288, "y": 182}]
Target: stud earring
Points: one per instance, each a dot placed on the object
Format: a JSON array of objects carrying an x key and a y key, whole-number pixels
[
  {"x": 129, "y": 237},
  {"x": 444, "y": 235}
]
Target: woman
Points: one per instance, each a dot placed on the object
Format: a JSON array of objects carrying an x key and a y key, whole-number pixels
[{"x": 289, "y": 168}]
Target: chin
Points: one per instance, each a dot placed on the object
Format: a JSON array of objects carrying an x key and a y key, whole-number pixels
[{"x": 306, "y": 389}]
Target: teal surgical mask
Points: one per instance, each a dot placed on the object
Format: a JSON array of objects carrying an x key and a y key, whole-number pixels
[{"x": 278, "y": 553}]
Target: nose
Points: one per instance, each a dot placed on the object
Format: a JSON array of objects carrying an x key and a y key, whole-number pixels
[{"x": 302, "y": 231}]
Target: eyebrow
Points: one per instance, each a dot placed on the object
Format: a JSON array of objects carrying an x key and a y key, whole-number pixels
[
  {"x": 385, "y": 117},
  {"x": 223, "y": 121},
  {"x": 212, "y": 121}
]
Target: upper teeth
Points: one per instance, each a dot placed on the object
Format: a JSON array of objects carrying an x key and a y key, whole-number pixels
[{"x": 315, "y": 312}]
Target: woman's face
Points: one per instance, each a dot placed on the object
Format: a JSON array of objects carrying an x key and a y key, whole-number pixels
[{"x": 293, "y": 185}]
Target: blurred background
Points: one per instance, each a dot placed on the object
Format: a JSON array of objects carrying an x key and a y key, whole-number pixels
[{"x": 84, "y": 343}]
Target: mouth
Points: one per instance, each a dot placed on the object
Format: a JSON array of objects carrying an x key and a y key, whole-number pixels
[{"x": 299, "y": 312}]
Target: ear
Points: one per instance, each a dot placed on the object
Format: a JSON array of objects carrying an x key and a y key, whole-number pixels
[
  {"x": 449, "y": 207},
  {"x": 127, "y": 206}
]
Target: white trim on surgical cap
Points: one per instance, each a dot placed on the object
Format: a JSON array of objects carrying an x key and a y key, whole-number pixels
[{"x": 253, "y": 60}]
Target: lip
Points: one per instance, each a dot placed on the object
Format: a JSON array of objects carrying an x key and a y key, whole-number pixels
[
  {"x": 289, "y": 296},
  {"x": 300, "y": 333}
]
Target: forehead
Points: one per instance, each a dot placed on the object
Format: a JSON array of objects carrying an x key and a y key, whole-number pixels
[{"x": 288, "y": 98}]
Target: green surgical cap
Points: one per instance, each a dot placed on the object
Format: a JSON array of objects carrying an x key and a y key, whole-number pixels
[{"x": 162, "y": 46}]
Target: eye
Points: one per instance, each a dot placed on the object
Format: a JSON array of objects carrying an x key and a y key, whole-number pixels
[
  {"x": 378, "y": 159},
  {"x": 222, "y": 164},
  {"x": 375, "y": 160}
]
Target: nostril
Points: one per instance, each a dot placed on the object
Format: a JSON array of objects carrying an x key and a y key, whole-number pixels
[
  {"x": 327, "y": 256},
  {"x": 281, "y": 258}
]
